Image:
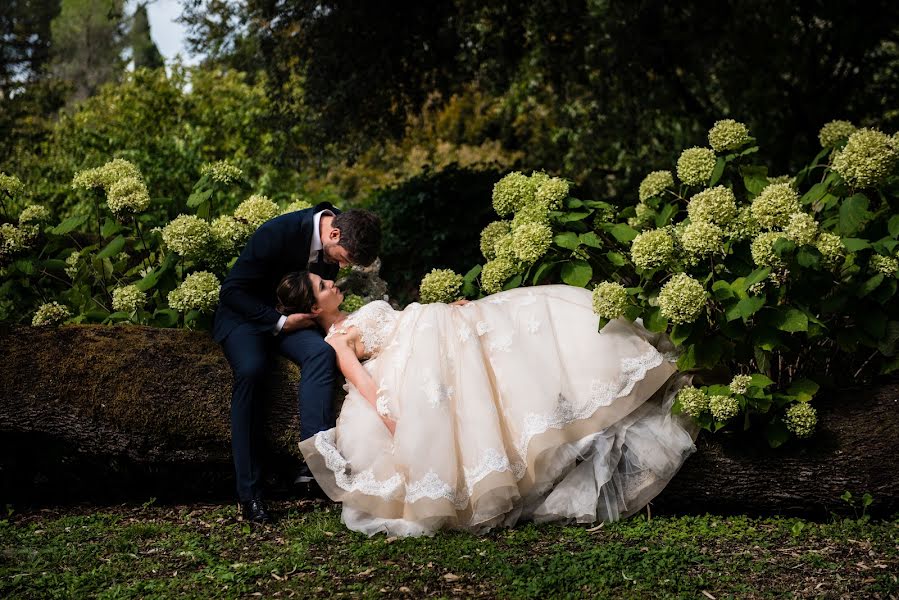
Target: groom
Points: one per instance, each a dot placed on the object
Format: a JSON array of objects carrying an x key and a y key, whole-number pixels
[{"x": 321, "y": 239}]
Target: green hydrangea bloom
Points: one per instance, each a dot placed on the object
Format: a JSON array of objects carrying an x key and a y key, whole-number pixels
[
  {"x": 107, "y": 175},
  {"x": 222, "y": 172},
  {"x": 229, "y": 234},
  {"x": 801, "y": 418},
  {"x": 188, "y": 235},
  {"x": 682, "y": 299},
  {"x": 550, "y": 192},
  {"x": 654, "y": 184},
  {"x": 695, "y": 166},
  {"x": 716, "y": 205},
  {"x": 512, "y": 192},
  {"x": 11, "y": 184},
  {"x": 14, "y": 240},
  {"x": 440, "y": 285},
  {"x": 740, "y": 384},
  {"x": 504, "y": 248},
  {"x": 609, "y": 300},
  {"x": 73, "y": 263},
  {"x": 296, "y": 205},
  {"x": 743, "y": 226},
  {"x": 774, "y": 206},
  {"x": 701, "y": 238},
  {"x": 530, "y": 241},
  {"x": 50, "y": 315},
  {"x": 831, "y": 247},
  {"x": 835, "y": 132},
  {"x": 199, "y": 291},
  {"x": 885, "y": 264},
  {"x": 645, "y": 215},
  {"x": 866, "y": 159},
  {"x": 652, "y": 249},
  {"x": 762, "y": 250},
  {"x": 351, "y": 303},
  {"x": 496, "y": 272},
  {"x": 490, "y": 235},
  {"x": 724, "y": 408},
  {"x": 127, "y": 196},
  {"x": 256, "y": 210},
  {"x": 530, "y": 213},
  {"x": 34, "y": 213},
  {"x": 728, "y": 134},
  {"x": 128, "y": 299},
  {"x": 802, "y": 229},
  {"x": 693, "y": 401},
  {"x": 780, "y": 179}
]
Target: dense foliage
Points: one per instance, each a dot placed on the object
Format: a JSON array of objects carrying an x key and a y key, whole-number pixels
[{"x": 769, "y": 286}]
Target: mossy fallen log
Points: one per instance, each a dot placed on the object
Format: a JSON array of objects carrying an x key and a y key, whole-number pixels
[{"x": 90, "y": 412}]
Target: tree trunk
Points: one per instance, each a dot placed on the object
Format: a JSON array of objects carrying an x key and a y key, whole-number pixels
[{"x": 106, "y": 413}]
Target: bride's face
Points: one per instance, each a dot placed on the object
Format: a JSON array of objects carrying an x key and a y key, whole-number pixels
[{"x": 327, "y": 295}]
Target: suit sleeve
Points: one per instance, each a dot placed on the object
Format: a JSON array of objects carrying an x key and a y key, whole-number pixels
[{"x": 248, "y": 274}]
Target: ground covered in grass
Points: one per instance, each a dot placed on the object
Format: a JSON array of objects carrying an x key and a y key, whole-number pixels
[{"x": 204, "y": 551}]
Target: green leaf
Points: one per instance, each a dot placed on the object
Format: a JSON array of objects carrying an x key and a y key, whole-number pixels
[
  {"x": 761, "y": 381},
  {"x": 680, "y": 333},
  {"x": 853, "y": 214},
  {"x": 722, "y": 290},
  {"x": 543, "y": 272},
  {"x": 568, "y": 240},
  {"x": 54, "y": 264},
  {"x": 808, "y": 257},
  {"x": 745, "y": 308},
  {"x": 577, "y": 273},
  {"x": 25, "y": 266},
  {"x": 654, "y": 321},
  {"x": 687, "y": 359},
  {"x": 767, "y": 338},
  {"x": 513, "y": 283},
  {"x": 616, "y": 258},
  {"x": 577, "y": 215},
  {"x": 110, "y": 228},
  {"x": 762, "y": 359},
  {"x": 112, "y": 248},
  {"x": 68, "y": 225},
  {"x": 468, "y": 282},
  {"x": 573, "y": 203},
  {"x": 815, "y": 193},
  {"x": 783, "y": 247},
  {"x": 870, "y": 285},
  {"x": 856, "y": 244},
  {"x": 893, "y": 226},
  {"x": 755, "y": 179},
  {"x": 791, "y": 320},
  {"x": 165, "y": 317},
  {"x": 590, "y": 239},
  {"x": 198, "y": 198},
  {"x": 718, "y": 172},
  {"x": 623, "y": 233},
  {"x": 665, "y": 213},
  {"x": 777, "y": 433},
  {"x": 755, "y": 277},
  {"x": 804, "y": 389},
  {"x": 152, "y": 278}
]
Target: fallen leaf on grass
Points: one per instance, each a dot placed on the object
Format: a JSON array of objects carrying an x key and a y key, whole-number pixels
[
  {"x": 364, "y": 573},
  {"x": 597, "y": 528},
  {"x": 450, "y": 577},
  {"x": 708, "y": 595}
]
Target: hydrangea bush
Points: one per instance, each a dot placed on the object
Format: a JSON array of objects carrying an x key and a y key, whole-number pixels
[
  {"x": 769, "y": 287},
  {"x": 120, "y": 263}
]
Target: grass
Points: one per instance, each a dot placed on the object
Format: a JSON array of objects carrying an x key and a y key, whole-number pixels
[{"x": 204, "y": 551}]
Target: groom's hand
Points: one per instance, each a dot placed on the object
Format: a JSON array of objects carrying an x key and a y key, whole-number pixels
[{"x": 297, "y": 321}]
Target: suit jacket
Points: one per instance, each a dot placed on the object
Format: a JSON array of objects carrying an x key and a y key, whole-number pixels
[{"x": 278, "y": 247}]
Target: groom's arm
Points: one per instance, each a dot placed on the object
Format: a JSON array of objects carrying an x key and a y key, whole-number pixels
[{"x": 248, "y": 274}]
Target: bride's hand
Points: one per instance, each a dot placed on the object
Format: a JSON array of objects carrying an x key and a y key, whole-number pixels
[{"x": 460, "y": 302}]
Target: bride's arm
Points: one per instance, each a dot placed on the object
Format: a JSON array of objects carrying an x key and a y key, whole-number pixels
[{"x": 348, "y": 363}]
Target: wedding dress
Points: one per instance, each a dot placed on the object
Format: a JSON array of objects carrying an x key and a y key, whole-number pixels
[{"x": 507, "y": 408}]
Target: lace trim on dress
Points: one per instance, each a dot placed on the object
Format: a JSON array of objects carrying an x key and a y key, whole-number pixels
[
  {"x": 364, "y": 481},
  {"x": 375, "y": 322}
]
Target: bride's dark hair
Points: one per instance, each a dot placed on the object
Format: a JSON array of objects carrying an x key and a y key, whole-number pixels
[{"x": 295, "y": 293}]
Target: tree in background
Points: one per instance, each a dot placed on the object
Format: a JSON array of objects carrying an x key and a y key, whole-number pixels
[
  {"x": 143, "y": 50},
  {"x": 88, "y": 37}
]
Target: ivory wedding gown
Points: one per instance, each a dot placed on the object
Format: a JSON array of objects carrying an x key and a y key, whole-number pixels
[{"x": 510, "y": 407}]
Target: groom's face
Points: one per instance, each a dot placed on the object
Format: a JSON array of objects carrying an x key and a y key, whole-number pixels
[{"x": 334, "y": 252}]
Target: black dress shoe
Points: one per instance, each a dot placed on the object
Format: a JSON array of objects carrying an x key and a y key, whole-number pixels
[
  {"x": 304, "y": 475},
  {"x": 255, "y": 511}
]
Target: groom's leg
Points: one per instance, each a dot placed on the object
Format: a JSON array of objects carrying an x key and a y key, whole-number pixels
[
  {"x": 316, "y": 358},
  {"x": 246, "y": 351}
]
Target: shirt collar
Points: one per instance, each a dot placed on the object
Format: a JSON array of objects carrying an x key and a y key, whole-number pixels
[{"x": 317, "y": 234}]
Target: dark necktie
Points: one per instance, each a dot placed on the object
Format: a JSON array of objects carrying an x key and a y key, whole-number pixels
[{"x": 321, "y": 257}]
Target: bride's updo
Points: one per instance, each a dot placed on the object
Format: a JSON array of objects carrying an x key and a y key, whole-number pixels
[{"x": 295, "y": 293}]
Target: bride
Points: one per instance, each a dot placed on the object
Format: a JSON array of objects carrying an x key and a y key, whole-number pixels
[{"x": 480, "y": 414}]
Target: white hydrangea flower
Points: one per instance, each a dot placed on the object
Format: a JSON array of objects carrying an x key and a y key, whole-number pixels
[
  {"x": 609, "y": 300},
  {"x": 728, "y": 134},
  {"x": 885, "y": 264},
  {"x": 222, "y": 172},
  {"x": 740, "y": 384},
  {"x": 530, "y": 241},
  {"x": 774, "y": 206},
  {"x": 50, "y": 315},
  {"x": 550, "y": 192},
  {"x": 229, "y": 234},
  {"x": 256, "y": 210},
  {"x": 199, "y": 291},
  {"x": 11, "y": 184},
  {"x": 802, "y": 229},
  {"x": 693, "y": 401},
  {"x": 495, "y": 274},
  {"x": 866, "y": 159},
  {"x": 188, "y": 235},
  {"x": 801, "y": 418},
  {"x": 652, "y": 249},
  {"x": 835, "y": 132},
  {"x": 762, "y": 250},
  {"x": 696, "y": 165},
  {"x": 654, "y": 184},
  {"x": 682, "y": 299},
  {"x": 716, "y": 205},
  {"x": 127, "y": 196},
  {"x": 440, "y": 285},
  {"x": 701, "y": 238},
  {"x": 512, "y": 192},
  {"x": 128, "y": 299},
  {"x": 34, "y": 213},
  {"x": 491, "y": 235},
  {"x": 724, "y": 408},
  {"x": 296, "y": 205}
]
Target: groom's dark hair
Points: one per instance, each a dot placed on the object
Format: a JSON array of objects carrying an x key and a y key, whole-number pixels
[
  {"x": 360, "y": 234},
  {"x": 295, "y": 293}
]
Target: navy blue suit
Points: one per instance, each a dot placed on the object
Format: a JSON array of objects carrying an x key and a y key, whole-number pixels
[{"x": 244, "y": 324}]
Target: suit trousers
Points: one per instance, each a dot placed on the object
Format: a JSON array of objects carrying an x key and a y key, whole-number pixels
[{"x": 249, "y": 353}]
